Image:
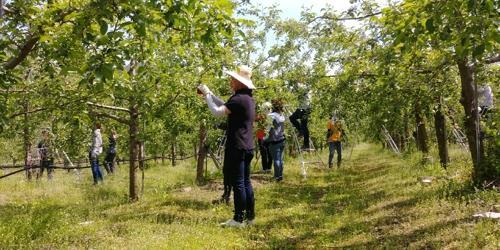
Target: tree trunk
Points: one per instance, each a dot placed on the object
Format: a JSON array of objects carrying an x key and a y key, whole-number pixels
[
  {"x": 421, "y": 130},
  {"x": 471, "y": 116},
  {"x": 142, "y": 157},
  {"x": 397, "y": 139},
  {"x": 195, "y": 152},
  {"x": 202, "y": 153},
  {"x": 440, "y": 125},
  {"x": 182, "y": 153},
  {"x": 141, "y": 154},
  {"x": 133, "y": 133},
  {"x": 172, "y": 148},
  {"x": 26, "y": 138},
  {"x": 406, "y": 134}
]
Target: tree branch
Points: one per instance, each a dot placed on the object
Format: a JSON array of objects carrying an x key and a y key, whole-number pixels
[
  {"x": 172, "y": 101},
  {"x": 45, "y": 108},
  {"x": 111, "y": 116},
  {"x": 27, "y": 112},
  {"x": 345, "y": 18},
  {"x": 7, "y": 91},
  {"x": 108, "y": 107},
  {"x": 25, "y": 50},
  {"x": 7, "y": 10},
  {"x": 493, "y": 59},
  {"x": 30, "y": 44},
  {"x": 362, "y": 75}
]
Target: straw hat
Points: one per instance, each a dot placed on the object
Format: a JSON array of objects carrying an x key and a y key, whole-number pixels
[{"x": 243, "y": 75}]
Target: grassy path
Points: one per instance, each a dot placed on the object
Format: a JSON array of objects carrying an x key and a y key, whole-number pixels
[{"x": 374, "y": 201}]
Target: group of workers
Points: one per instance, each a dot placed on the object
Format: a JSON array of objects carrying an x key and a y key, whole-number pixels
[
  {"x": 47, "y": 153},
  {"x": 240, "y": 111}
]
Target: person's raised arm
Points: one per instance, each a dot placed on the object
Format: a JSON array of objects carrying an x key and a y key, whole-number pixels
[
  {"x": 217, "y": 110},
  {"x": 215, "y": 104}
]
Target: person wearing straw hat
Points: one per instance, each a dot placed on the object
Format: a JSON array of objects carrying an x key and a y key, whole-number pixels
[{"x": 238, "y": 152}]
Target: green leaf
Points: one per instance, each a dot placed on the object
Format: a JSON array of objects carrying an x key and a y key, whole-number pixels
[
  {"x": 478, "y": 51},
  {"x": 45, "y": 38},
  {"x": 107, "y": 71},
  {"x": 103, "y": 26},
  {"x": 429, "y": 25},
  {"x": 141, "y": 28}
]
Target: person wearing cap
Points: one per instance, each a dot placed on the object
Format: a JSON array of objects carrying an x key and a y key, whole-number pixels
[
  {"x": 238, "y": 153},
  {"x": 334, "y": 134}
]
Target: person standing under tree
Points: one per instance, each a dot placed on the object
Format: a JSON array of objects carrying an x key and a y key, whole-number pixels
[
  {"x": 94, "y": 152},
  {"x": 260, "y": 134},
  {"x": 276, "y": 138},
  {"x": 334, "y": 136},
  {"x": 45, "y": 151},
  {"x": 300, "y": 117},
  {"x": 238, "y": 151},
  {"x": 109, "y": 161},
  {"x": 485, "y": 97}
]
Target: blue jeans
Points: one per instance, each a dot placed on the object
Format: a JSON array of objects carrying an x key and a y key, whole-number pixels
[
  {"x": 335, "y": 146},
  {"x": 96, "y": 171},
  {"x": 238, "y": 171},
  {"x": 277, "y": 154}
]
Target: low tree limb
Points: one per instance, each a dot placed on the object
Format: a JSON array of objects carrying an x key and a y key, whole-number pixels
[
  {"x": 7, "y": 91},
  {"x": 493, "y": 59},
  {"x": 27, "y": 47},
  {"x": 50, "y": 108},
  {"x": 110, "y": 116},
  {"x": 108, "y": 107},
  {"x": 27, "y": 112},
  {"x": 362, "y": 75},
  {"x": 489, "y": 60}
]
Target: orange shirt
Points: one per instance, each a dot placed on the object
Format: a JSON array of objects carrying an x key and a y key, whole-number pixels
[{"x": 336, "y": 128}]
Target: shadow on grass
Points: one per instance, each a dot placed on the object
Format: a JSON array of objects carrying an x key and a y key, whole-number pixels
[
  {"x": 187, "y": 204},
  {"x": 346, "y": 193},
  {"x": 405, "y": 239}
]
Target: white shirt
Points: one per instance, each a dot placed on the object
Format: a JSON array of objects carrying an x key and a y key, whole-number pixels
[
  {"x": 485, "y": 96},
  {"x": 97, "y": 142}
]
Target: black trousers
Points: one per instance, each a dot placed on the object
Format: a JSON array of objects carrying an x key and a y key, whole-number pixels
[
  {"x": 299, "y": 119},
  {"x": 109, "y": 164},
  {"x": 267, "y": 160},
  {"x": 237, "y": 173}
]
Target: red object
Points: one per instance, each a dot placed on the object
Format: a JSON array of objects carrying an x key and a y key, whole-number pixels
[{"x": 260, "y": 134}]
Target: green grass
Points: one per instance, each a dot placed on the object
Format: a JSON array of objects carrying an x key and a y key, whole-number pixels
[{"x": 374, "y": 201}]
